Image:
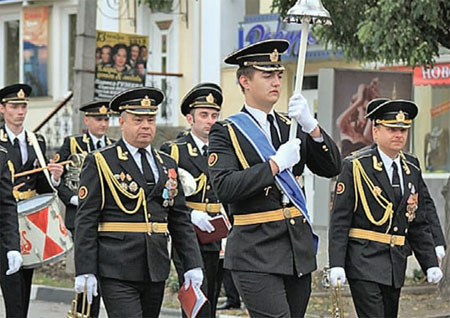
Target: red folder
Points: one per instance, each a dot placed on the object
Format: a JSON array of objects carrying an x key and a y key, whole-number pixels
[
  {"x": 191, "y": 300},
  {"x": 222, "y": 227}
]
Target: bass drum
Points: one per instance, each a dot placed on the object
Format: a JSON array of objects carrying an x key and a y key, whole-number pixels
[{"x": 43, "y": 235}]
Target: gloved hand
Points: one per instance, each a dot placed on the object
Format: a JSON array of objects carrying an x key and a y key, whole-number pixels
[
  {"x": 298, "y": 108},
  {"x": 434, "y": 275},
  {"x": 74, "y": 200},
  {"x": 440, "y": 252},
  {"x": 193, "y": 276},
  {"x": 14, "y": 262},
  {"x": 201, "y": 220},
  {"x": 337, "y": 273},
  {"x": 287, "y": 155},
  {"x": 91, "y": 283}
]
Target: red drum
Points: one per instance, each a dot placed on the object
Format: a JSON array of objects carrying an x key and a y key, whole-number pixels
[{"x": 43, "y": 235}]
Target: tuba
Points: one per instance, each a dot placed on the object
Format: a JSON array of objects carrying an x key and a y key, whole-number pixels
[
  {"x": 73, "y": 171},
  {"x": 85, "y": 309},
  {"x": 337, "y": 306}
]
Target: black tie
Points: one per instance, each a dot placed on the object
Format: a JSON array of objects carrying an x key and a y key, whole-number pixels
[
  {"x": 148, "y": 174},
  {"x": 205, "y": 150},
  {"x": 18, "y": 152},
  {"x": 99, "y": 144},
  {"x": 273, "y": 132},
  {"x": 396, "y": 184}
]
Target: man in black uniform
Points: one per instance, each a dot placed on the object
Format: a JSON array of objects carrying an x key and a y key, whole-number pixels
[
  {"x": 129, "y": 200},
  {"x": 271, "y": 247},
  {"x": 201, "y": 106},
  {"x": 22, "y": 146},
  {"x": 380, "y": 209},
  {"x": 96, "y": 119}
]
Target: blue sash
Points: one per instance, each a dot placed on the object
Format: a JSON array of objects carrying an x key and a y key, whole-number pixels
[{"x": 263, "y": 146}]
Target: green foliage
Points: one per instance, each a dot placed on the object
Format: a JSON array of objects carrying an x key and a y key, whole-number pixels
[{"x": 387, "y": 31}]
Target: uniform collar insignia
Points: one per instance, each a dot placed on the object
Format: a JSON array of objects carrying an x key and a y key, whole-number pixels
[
  {"x": 121, "y": 154},
  {"x": 3, "y": 136},
  {"x": 377, "y": 165},
  {"x": 108, "y": 141},
  {"x": 86, "y": 138},
  {"x": 404, "y": 164},
  {"x": 192, "y": 150}
]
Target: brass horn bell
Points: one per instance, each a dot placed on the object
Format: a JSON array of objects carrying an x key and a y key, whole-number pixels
[{"x": 308, "y": 8}]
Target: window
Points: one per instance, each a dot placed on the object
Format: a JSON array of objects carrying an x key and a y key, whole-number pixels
[
  {"x": 72, "y": 35},
  {"x": 12, "y": 49}
]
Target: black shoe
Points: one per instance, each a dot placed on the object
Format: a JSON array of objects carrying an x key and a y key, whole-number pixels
[{"x": 227, "y": 305}]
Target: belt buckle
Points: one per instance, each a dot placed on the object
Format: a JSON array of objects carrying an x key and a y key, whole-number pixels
[
  {"x": 287, "y": 213},
  {"x": 208, "y": 208},
  {"x": 393, "y": 240}
]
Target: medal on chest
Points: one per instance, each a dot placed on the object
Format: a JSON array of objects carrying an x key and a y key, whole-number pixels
[
  {"x": 170, "y": 188},
  {"x": 412, "y": 203}
]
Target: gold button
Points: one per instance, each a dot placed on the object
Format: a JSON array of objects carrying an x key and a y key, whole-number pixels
[
  {"x": 206, "y": 200},
  {"x": 395, "y": 229},
  {"x": 287, "y": 213},
  {"x": 292, "y": 221},
  {"x": 324, "y": 147},
  {"x": 208, "y": 187}
]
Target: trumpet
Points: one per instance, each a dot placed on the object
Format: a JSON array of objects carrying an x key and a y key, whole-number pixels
[
  {"x": 337, "y": 306},
  {"x": 85, "y": 309}
]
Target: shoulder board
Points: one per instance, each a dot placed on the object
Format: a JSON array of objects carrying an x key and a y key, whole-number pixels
[
  {"x": 3, "y": 149},
  {"x": 107, "y": 147},
  {"x": 164, "y": 154},
  {"x": 284, "y": 118},
  {"x": 409, "y": 154},
  {"x": 363, "y": 152},
  {"x": 223, "y": 122}
]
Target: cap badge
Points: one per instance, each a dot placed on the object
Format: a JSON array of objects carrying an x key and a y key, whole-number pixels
[
  {"x": 146, "y": 102},
  {"x": 21, "y": 94},
  {"x": 400, "y": 116},
  {"x": 103, "y": 109},
  {"x": 210, "y": 98},
  {"x": 274, "y": 56}
]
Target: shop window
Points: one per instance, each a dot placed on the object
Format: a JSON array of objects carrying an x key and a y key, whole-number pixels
[
  {"x": 12, "y": 49},
  {"x": 310, "y": 82}
]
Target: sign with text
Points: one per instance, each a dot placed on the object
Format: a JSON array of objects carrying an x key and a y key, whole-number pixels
[
  {"x": 121, "y": 63},
  {"x": 439, "y": 74}
]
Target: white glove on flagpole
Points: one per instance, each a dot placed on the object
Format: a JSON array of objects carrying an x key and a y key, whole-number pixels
[
  {"x": 193, "y": 276},
  {"x": 440, "y": 253},
  {"x": 288, "y": 154},
  {"x": 298, "y": 108},
  {"x": 434, "y": 275},
  {"x": 337, "y": 273},
  {"x": 14, "y": 262},
  {"x": 201, "y": 220},
  {"x": 91, "y": 286}
]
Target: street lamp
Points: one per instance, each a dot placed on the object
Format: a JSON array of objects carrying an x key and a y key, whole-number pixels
[{"x": 305, "y": 12}]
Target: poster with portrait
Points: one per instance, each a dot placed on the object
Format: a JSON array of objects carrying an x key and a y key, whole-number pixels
[
  {"x": 121, "y": 63},
  {"x": 35, "y": 49},
  {"x": 353, "y": 90}
]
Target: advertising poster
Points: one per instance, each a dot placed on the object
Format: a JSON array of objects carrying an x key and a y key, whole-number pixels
[
  {"x": 353, "y": 90},
  {"x": 35, "y": 49},
  {"x": 121, "y": 63}
]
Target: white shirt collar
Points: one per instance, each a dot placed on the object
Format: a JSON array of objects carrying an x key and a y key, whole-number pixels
[
  {"x": 259, "y": 115},
  {"x": 12, "y": 136},
  {"x": 95, "y": 139},
  {"x": 198, "y": 142},
  {"x": 133, "y": 150},
  {"x": 387, "y": 161}
]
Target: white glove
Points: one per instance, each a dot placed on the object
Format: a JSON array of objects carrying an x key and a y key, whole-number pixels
[
  {"x": 335, "y": 274},
  {"x": 298, "y": 109},
  {"x": 91, "y": 288},
  {"x": 201, "y": 220},
  {"x": 440, "y": 252},
  {"x": 434, "y": 275},
  {"x": 14, "y": 262},
  {"x": 74, "y": 200},
  {"x": 187, "y": 181},
  {"x": 194, "y": 276},
  {"x": 288, "y": 154}
]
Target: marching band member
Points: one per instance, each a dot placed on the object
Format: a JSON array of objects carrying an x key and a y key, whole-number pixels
[
  {"x": 129, "y": 200},
  {"x": 380, "y": 211},
  {"x": 271, "y": 247},
  {"x": 201, "y": 107},
  {"x": 96, "y": 119},
  {"x": 26, "y": 151}
]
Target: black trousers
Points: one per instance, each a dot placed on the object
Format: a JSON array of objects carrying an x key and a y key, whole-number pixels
[
  {"x": 271, "y": 295},
  {"x": 211, "y": 266},
  {"x": 231, "y": 293},
  {"x": 132, "y": 299},
  {"x": 374, "y": 300}
]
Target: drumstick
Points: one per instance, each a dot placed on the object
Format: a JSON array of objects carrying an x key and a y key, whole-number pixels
[{"x": 26, "y": 173}]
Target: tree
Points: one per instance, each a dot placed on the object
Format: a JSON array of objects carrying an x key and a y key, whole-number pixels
[{"x": 387, "y": 31}]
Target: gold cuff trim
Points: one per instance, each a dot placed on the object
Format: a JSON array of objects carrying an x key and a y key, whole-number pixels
[
  {"x": 205, "y": 207},
  {"x": 151, "y": 227},
  {"x": 377, "y": 237},
  {"x": 23, "y": 195},
  {"x": 268, "y": 216}
]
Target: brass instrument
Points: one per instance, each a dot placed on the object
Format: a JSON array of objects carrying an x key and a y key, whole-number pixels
[
  {"x": 73, "y": 171},
  {"x": 337, "y": 306},
  {"x": 85, "y": 310}
]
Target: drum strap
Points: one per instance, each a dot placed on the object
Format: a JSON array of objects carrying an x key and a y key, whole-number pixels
[{"x": 40, "y": 156}]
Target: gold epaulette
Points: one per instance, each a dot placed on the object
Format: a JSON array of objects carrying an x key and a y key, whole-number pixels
[{"x": 284, "y": 118}]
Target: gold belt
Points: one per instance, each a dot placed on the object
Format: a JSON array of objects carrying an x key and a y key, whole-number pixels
[
  {"x": 141, "y": 227},
  {"x": 205, "y": 207},
  {"x": 268, "y": 216},
  {"x": 377, "y": 237},
  {"x": 23, "y": 195}
]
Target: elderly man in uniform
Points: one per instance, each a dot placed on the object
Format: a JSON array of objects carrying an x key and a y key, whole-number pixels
[
  {"x": 26, "y": 151},
  {"x": 380, "y": 205},
  {"x": 96, "y": 119},
  {"x": 271, "y": 247},
  {"x": 201, "y": 106},
  {"x": 129, "y": 201}
]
